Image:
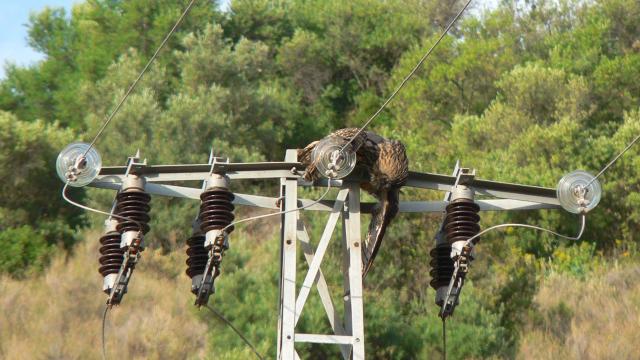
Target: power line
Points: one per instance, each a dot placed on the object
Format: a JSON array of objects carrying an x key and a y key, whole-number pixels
[
  {"x": 406, "y": 79},
  {"x": 226, "y": 321},
  {"x": 104, "y": 320},
  {"x": 444, "y": 340},
  {"x": 614, "y": 160},
  {"x": 583, "y": 222},
  {"x": 280, "y": 212},
  {"x": 87, "y": 208},
  {"x": 137, "y": 80}
]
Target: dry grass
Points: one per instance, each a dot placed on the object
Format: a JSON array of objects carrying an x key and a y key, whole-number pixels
[
  {"x": 598, "y": 318},
  {"x": 58, "y": 315}
]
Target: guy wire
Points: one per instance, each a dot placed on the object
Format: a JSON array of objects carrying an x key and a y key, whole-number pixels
[
  {"x": 137, "y": 80},
  {"x": 406, "y": 79}
]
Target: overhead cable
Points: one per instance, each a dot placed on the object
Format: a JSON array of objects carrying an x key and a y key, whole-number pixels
[
  {"x": 137, "y": 80},
  {"x": 406, "y": 79}
]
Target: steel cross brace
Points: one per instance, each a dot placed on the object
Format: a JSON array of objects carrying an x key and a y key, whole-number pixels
[{"x": 349, "y": 331}]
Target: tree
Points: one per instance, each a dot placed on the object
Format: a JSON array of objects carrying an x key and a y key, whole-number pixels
[{"x": 33, "y": 218}]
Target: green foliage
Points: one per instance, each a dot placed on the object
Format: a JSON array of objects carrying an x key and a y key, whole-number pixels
[
  {"x": 33, "y": 216},
  {"x": 24, "y": 250},
  {"x": 524, "y": 93},
  {"x": 577, "y": 261}
]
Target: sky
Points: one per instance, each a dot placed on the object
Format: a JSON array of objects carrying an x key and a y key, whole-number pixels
[
  {"x": 13, "y": 32},
  {"x": 14, "y": 15}
]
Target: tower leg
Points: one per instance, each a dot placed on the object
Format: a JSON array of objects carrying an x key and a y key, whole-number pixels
[
  {"x": 286, "y": 331},
  {"x": 354, "y": 305}
]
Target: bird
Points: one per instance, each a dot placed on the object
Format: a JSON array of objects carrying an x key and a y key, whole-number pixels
[{"x": 386, "y": 166}]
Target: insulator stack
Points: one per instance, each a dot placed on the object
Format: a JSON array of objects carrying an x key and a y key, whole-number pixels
[
  {"x": 111, "y": 255},
  {"x": 123, "y": 236},
  {"x": 216, "y": 209},
  {"x": 461, "y": 222},
  {"x": 441, "y": 266},
  {"x": 197, "y": 256},
  {"x": 132, "y": 203},
  {"x": 210, "y": 239}
]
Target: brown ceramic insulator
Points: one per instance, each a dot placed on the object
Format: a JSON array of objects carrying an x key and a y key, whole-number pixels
[
  {"x": 111, "y": 255},
  {"x": 197, "y": 255},
  {"x": 441, "y": 266},
  {"x": 461, "y": 221},
  {"x": 133, "y": 204},
  {"x": 216, "y": 209}
]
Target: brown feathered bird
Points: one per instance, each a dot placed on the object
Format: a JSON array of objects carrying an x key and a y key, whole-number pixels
[{"x": 386, "y": 164}]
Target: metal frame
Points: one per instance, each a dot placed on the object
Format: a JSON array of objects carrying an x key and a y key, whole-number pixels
[{"x": 348, "y": 328}]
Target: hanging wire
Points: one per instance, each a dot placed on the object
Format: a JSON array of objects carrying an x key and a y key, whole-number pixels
[
  {"x": 279, "y": 212},
  {"x": 104, "y": 320},
  {"x": 84, "y": 207},
  {"x": 226, "y": 321},
  {"x": 444, "y": 340},
  {"x": 406, "y": 79},
  {"x": 111, "y": 215},
  {"x": 614, "y": 160},
  {"x": 137, "y": 80},
  {"x": 583, "y": 221}
]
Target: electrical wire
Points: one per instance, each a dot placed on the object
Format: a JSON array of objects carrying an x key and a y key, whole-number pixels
[
  {"x": 137, "y": 80},
  {"x": 279, "y": 212},
  {"x": 614, "y": 160},
  {"x": 444, "y": 340},
  {"x": 104, "y": 320},
  {"x": 406, "y": 79},
  {"x": 110, "y": 214},
  {"x": 226, "y": 321},
  {"x": 84, "y": 207},
  {"x": 583, "y": 219}
]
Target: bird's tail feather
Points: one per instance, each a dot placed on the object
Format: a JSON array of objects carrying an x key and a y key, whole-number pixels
[{"x": 380, "y": 219}]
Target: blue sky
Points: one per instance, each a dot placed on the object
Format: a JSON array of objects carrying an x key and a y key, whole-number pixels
[{"x": 13, "y": 33}]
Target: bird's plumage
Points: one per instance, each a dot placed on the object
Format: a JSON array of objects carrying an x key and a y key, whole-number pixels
[{"x": 385, "y": 161}]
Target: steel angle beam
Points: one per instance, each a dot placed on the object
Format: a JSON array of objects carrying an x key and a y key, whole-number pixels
[
  {"x": 485, "y": 187},
  {"x": 485, "y": 205},
  {"x": 325, "y": 339},
  {"x": 205, "y": 168},
  {"x": 267, "y": 202},
  {"x": 265, "y": 170},
  {"x": 287, "y": 169}
]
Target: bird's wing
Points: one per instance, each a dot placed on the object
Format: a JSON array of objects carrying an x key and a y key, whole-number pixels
[
  {"x": 306, "y": 159},
  {"x": 380, "y": 219}
]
